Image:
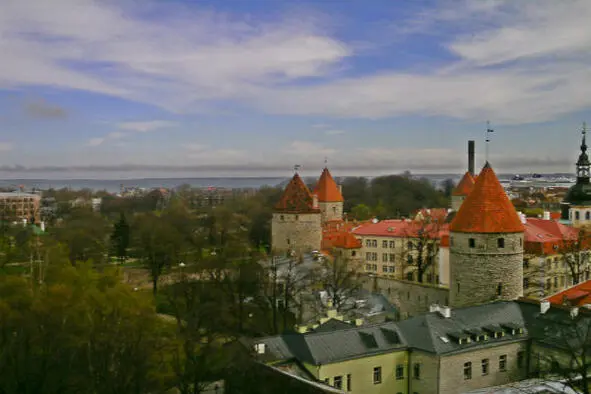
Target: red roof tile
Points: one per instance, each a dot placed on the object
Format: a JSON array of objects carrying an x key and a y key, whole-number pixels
[
  {"x": 577, "y": 295},
  {"x": 465, "y": 186},
  {"x": 327, "y": 189},
  {"x": 296, "y": 198},
  {"x": 401, "y": 229},
  {"x": 487, "y": 209},
  {"x": 343, "y": 240}
]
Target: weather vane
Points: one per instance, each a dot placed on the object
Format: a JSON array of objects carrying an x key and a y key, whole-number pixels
[
  {"x": 325, "y": 161},
  {"x": 487, "y": 138},
  {"x": 296, "y": 168}
]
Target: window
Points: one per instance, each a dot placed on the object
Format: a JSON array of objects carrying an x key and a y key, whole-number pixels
[
  {"x": 338, "y": 382},
  {"x": 577, "y": 215},
  {"x": 384, "y": 268},
  {"x": 327, "y": 381},
  {"x": 374, "y": 243},
  {"x": 392, "y": 257},
  {"x": 416, "y": 371},
  {"x": 485, "y": 366},
  {"x": 472, "y": 242},
  {"x": 297, "y": 217},
  {"x": 368, "y": 256},
  {"x": 520, "y": 359},
  {"x": 429, "y": 278},
  {"x": 526, "y": 283},
  {"x": 282, "y": 217},
  {"x": 467, "y": 371},
  {"x": 409, "y": 276},
  {"x": 384, "y": 244},
  {"x": 384, "y": 257},
  {"x": 399, "y": 372},
  {"x": 374, "y": 267},
  {"x": 349, "y": 387},
  {"x": 500, "y": 243},
  {"x": 500, "y": 289},
  {"x": 587, "y": 215},
  {"x": 409, "y": 260},
  {"x": 353, "y": 253},
  {"x": 503, "y": 363},
  {"x": 377, "y": 375},
  {"x": 368, "y": 243},
  {"x": 409, "y": 245},
  {"x": 392, "y": 244},
  {"x": 556, "y": 282}
]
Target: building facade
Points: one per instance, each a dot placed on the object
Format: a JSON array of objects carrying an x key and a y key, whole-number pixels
[
  {"x": 576, "y": 207},
  {"x": 20, "y": 206}
]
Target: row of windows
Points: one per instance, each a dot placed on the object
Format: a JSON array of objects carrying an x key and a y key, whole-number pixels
[
  {"x": 373, "y": 243},
  {"x": 485, "y": 365},
  {"x": 386, "y": 257},
  {"x": 337, "y": 382},
  {"x": 578, "y": 215}
]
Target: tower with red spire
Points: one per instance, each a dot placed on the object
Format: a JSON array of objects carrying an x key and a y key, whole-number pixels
[
  {"x": 330, "y": 198},
  {"x": 486, "y": 246},
  {"x": 296, "y": 223}
]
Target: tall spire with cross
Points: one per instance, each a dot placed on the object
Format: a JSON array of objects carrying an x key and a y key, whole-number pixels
[{"x": 583, "y": 163}]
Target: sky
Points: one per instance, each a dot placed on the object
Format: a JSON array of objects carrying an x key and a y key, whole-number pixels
[{"x": 252, "y": 88}]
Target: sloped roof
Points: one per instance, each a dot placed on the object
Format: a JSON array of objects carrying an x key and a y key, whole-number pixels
[
  {"x": 296, "y": 198},
  {"x": 326, "y": 189},
  {"x": 342, "y": 240},
  {"x": 577, "y": 295},
  {"x": 401, "y": 229},
  {"x": 540, "y": 230},
  {"x": 465, "y": 186},
  {"x": 487, "y": 209}
]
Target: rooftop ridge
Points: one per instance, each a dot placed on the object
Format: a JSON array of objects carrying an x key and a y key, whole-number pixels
[{"x": 465, "y": 186}]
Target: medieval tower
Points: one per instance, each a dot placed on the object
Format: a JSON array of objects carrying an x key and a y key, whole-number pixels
[
  {"x": 330, "y": 198},
  {"x": 465, "y": 186},
  {"x": 296, "y": 223},
  {"x": 486, "y": 246}
]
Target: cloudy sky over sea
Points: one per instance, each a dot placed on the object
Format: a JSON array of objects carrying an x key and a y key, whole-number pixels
[{"x": 237, "y": 87}]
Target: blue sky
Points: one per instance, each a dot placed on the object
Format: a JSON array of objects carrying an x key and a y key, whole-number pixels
[{"x": 236, "y": 87}]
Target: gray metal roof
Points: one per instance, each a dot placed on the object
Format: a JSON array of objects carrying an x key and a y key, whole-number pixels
[
  {"x": 434, "y": 333},
  {"x": 328, "y": 347}
]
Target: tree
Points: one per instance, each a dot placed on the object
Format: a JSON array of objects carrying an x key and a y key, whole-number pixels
[
  {"x": 565, "y": 347},
  {"x": 120, "y": 238},
  {"x": 575, "y": 255},
  {"x": 361, "y": 212},
  {"x": 448, "y": 186},
  {"x": 339, "y": 277},
  {"x": 159, "y": 245},
  {"x": 421, "y": 248}
]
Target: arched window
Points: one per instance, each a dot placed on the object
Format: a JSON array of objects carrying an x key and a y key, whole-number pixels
[
  {"x": 577, "y": 215},
  {"x": 587, "y": 215}
]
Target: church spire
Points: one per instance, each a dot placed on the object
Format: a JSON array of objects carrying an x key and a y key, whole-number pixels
[{"x": 583, "y": 163}]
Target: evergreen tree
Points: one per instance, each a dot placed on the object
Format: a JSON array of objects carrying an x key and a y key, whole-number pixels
[{"x": 120, "y": 238}]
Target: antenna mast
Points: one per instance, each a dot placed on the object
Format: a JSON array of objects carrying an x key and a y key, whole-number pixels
[{"x": 487, "y": 138}]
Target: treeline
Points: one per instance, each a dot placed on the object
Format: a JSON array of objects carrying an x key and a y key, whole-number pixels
[{"x": 392, "y": 196}]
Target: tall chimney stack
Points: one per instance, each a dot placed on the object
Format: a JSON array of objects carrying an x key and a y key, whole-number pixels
[{"x": 471, "y": 157}]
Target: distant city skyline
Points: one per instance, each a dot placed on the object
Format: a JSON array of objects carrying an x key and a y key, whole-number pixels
[{"x": 235, "y": 88}]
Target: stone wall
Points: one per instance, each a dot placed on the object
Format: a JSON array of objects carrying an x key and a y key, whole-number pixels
[
  {"x": 485, "y": 272},
  {"x": 451, "y": 374},
  {"x": 331, "y": 211},
  {"x": 409, "y": 298},
  {"x": 300, "y": 232}
]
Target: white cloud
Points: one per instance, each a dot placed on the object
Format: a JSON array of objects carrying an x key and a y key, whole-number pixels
[
  {"x": 143, "y": 127},
  {"x": 515, "y": 61},
  {"x": 96, "y": 141},
  {"x": 334, "y": 132}
]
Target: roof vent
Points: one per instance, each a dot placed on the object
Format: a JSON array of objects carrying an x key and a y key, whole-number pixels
[
  {"x": 544, "y": 306},
  {"x": 445, "y": 311},
  {"x": 374, "y": 220},
  {"x": 259, "y": 348}
]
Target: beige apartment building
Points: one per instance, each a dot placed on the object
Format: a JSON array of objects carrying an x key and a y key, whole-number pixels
[{"x": 20, "y": 206}]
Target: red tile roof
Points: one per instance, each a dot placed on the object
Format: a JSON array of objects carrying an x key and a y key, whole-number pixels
[
  {"x": 296, "y": 198},
  {"x": 465, "y": 186},
  {"x": 343, "y": 240},
  {"x": 326, "y": 189},
  {"x": 547, "y": 237},
  {"x": 437, "y": 214},
  {"x": 401, "y": 229},
  {"x": 487, "y": 209},
  {"x": 577, "y": 295}
]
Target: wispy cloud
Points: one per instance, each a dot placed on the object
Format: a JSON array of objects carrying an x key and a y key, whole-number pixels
[{"x": 126, "y": 129}]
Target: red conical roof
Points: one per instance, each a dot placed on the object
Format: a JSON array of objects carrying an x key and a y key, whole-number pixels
[
  {"x": 487, "y": 209},
  {"x": 327, "y": 189},
  {"x": 296, "y": 198},
  {"x": 465, "y": 186}
]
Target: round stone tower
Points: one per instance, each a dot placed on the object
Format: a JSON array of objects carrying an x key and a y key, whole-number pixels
[
  {"x": 486, "y": 246},
  {"x": 296, "y": 223}
]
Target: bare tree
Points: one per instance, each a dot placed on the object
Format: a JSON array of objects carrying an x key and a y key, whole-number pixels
[
  {"x": 339, "y": 277},
  {"x": 564, "y": 348},
  {"x": 575, "y": 256},
  {"x": 421, "y": 248}
]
